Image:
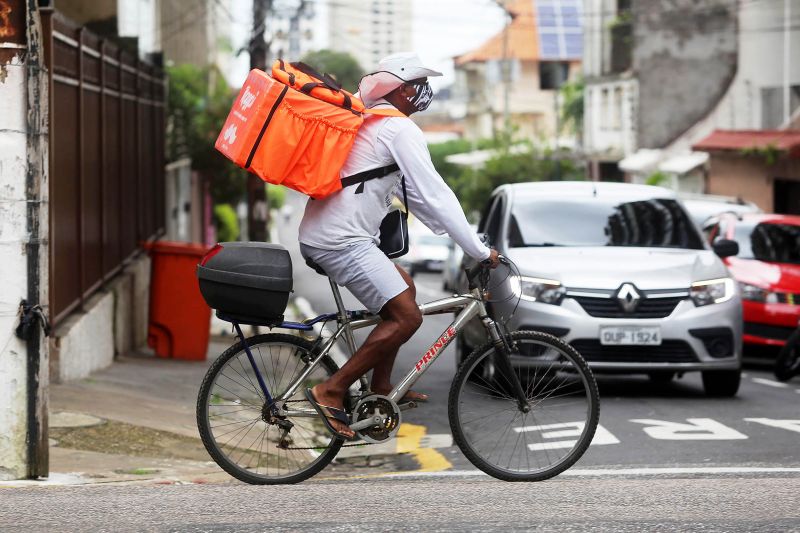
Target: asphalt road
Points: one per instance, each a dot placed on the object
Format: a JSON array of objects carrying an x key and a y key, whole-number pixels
[{"x": 439, "y": 504}]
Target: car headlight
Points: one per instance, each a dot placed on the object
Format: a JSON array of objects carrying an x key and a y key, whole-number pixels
[
  {"x": 755, "y": 293},
  {"x": 712, "y": 291},
  {"x": 546, "y": 291}
]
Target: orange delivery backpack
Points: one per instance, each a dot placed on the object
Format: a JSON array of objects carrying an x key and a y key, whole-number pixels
[{"x": 294, "y": 128}]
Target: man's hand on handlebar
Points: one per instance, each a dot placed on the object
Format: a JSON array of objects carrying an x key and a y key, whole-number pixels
[{"x": 494, "y": 258}]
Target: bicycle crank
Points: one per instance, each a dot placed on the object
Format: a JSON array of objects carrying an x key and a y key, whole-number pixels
[{"x": 376, "y": 419}]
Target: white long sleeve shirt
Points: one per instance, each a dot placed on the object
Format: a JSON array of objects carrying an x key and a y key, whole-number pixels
[{"x": 347, "y": 216}]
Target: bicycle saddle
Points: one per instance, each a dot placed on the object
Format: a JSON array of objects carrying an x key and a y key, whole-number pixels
[{"x": 314, "y": 266}]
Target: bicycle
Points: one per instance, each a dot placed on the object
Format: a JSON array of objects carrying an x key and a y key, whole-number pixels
[
  {"x": 787, "y": 364},
  {"x": 522, "y": 407}
]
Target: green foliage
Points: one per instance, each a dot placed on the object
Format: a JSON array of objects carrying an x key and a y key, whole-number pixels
[
  {"x": 276, "y": 195},
  {"x": 198, "y": 104},
  {"x": 657, "y": 178},
  {"x": 474, "y": 186},
  {"x": 769, "y": 153},
  {"x": 227, "y": 223},
  {"x": 572, "y": 108},
  {"x": 340, "y": 65}
]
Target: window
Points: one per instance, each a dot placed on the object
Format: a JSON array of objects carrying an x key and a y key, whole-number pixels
[
  {"x": 616, "y": 113},
  {"x": 495, "y": 219},
  {"x": 552, "y": 74},
  {"x": 654, "y": 223}
]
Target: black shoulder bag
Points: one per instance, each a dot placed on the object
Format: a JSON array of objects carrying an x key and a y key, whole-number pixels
[{"x": 394, "y": 230}]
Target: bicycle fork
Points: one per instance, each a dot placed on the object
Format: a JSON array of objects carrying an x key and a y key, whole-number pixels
[{"x": 502, "y": 357}]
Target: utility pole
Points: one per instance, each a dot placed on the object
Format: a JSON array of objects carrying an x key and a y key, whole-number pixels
[
  {"x": 506, "y": 70},
  {"x": 294, "y": 30},
  {"x": 257, "y": 207}
]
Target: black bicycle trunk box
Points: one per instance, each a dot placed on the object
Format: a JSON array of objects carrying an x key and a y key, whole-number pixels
[{"x": 248, "y": 282}]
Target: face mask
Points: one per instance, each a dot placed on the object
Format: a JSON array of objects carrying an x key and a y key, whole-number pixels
[{"x": 423, "y": 97}]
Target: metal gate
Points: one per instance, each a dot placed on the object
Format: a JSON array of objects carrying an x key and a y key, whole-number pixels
[{"x": 107, "y": 127}]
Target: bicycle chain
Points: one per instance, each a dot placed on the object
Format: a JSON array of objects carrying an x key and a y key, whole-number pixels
[{"x": 357, "y": 445}]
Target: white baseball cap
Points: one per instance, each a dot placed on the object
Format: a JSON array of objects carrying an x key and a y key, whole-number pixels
[{"x": 393, "y": 71}]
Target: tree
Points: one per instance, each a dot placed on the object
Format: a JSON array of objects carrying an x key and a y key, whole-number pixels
[
  {"x": 341, "y": 65},
  {"x": 198, "y": 104},
  {"x": 572, "y": 108}
]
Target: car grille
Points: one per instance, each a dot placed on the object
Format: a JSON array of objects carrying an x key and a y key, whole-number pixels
[
  {"x": 669, "y": 351},
  {"x": 767, "y": 331},
  {"x": 788, "y": 298},
  {"x": 610, "y": 308}
]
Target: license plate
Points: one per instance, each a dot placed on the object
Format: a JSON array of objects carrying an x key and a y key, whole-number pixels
[{"x": 630, "y": 335}]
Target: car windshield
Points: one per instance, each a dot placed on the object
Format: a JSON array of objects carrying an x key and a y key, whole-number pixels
[
  {"x": 433, "y": 240},
  {"x": 660, "y": 223},
  {"x": 777, "y": 243}
]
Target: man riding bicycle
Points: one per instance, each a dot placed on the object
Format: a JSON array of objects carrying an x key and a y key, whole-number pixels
[{"x": 340, "y": 232}]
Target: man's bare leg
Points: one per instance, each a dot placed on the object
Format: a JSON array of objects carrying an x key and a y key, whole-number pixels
[
  {"x": 382, "y": 373},
  {"x": 401, "y": 318}
]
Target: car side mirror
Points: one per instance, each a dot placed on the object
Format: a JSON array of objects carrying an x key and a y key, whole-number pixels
[{"x": 725, "y": 247}]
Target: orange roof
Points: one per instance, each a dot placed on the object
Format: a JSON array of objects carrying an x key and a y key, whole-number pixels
[
  {"x": 782, "y": 140},
  {"x": 523, "y": 37}
]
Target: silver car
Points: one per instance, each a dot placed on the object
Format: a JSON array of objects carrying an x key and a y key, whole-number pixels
[{"x": 620, "y": 272}]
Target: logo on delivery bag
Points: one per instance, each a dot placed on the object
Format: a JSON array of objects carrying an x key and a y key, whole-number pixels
[
  {"x": 248, "y": 99},
  {"x": 230, "y": 134}
]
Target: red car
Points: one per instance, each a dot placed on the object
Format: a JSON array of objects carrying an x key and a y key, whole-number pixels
[{"x": 767, "y": 268}]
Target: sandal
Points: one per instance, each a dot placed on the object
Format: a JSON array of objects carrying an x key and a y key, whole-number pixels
[
  {"x": 422, "y": 398},
  {"x": 327, "y": 412}
]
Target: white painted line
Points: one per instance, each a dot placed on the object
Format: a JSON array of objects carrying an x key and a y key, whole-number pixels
[
  {"x": 770, "y": 383},
  {"x": 617, "y": 472},
  {"x": 745, "y": 375}
]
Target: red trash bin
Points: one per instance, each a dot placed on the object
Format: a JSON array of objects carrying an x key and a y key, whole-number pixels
[{"x": 179, "y": 317}]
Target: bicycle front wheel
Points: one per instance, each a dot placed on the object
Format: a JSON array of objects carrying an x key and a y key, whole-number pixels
[
  {"x": 237, "y": 426},
  {"x": 497, "y": 436}
]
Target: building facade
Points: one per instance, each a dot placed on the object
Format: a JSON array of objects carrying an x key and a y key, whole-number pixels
[
  {"x": 663, "y": 75},
  {"x": 370, "y": 29},
  {"x": 515, "y": 75}
]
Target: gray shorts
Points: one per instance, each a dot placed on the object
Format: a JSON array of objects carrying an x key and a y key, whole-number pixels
[{"x": 363, "y": 269}]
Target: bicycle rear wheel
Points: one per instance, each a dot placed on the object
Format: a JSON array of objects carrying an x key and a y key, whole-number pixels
[
  {"x": 787, "y": 365},
  {"x": 237, "y": 427},
  {"x": 507, "y": 443}
]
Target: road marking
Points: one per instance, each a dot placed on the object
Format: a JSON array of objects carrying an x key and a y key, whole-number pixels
[
  {"x": 770, "y": 383},
  {"x": 696, "y": 429},
  {"x": 409, "y": 440},
  {"x": 623, "y": 472},
  {"x": 790, "y": 425},
  {"x": 569, "y": 429}
]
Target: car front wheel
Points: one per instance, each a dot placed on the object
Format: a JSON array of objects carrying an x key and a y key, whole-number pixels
[{"x": 722, "y": 383}]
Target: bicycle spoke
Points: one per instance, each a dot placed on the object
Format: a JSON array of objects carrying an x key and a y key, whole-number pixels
[
  {"x": 250, "y": 443},
  {"x": 504, "y": 440}
]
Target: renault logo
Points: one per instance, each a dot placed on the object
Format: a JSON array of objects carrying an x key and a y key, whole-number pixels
[{"x": 628, "y": 297}]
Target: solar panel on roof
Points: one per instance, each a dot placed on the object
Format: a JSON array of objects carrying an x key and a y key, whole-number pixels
[{"x": 560, "y": 29}]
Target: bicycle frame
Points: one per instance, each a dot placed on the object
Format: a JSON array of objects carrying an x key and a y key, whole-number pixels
[{"x": 470, "y": 305}]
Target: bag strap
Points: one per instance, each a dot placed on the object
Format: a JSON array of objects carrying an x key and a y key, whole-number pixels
[
  {"x": 329, "y": 82},
  {"x": 384, "y": 112},
  {"x": 367, "y": 175},
  {"x": 405, "y": 198}
]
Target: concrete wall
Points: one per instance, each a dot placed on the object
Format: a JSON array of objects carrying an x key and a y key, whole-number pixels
[
  {"x": 685, "y": 57},
  {"x": 114, "y": 322},
  {"x": 13, "y": 266},
  {"x": 749, "y": 177}
]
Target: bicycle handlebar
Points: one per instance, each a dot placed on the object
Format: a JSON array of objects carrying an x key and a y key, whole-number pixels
[{"x": 480, "y": 267}]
